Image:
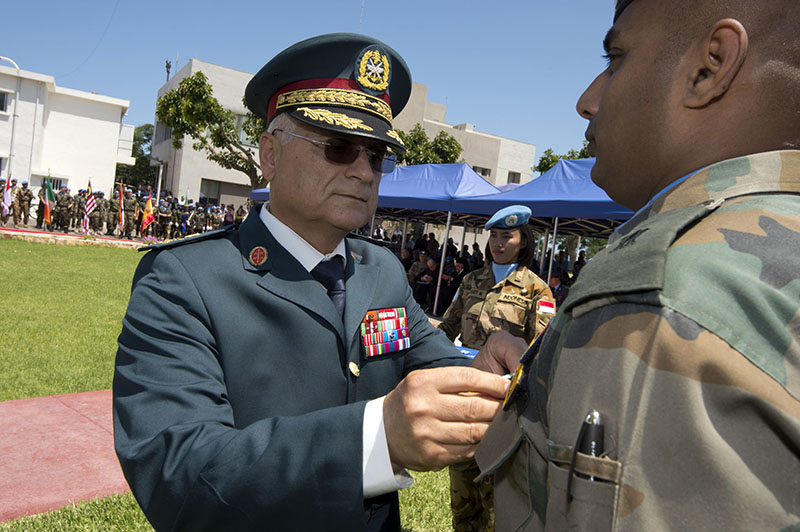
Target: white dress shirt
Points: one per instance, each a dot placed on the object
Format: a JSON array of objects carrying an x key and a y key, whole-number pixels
[{"x": 378, "y": 476}]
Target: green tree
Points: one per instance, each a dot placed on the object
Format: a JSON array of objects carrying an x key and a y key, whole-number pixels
[
  {"x": 549, "y": 159},
  {"x": 444, "y": 148},
  {"x": 141, "y": 173},
  {"x": 192, "y": 110}
]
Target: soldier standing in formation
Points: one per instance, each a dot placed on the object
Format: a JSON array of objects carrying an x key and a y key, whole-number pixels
[
  {"x": 503, "y": 295},
  {"x": 13, "y": 205},
  {"x": 99, "y": 213},
  {"x": 112, "y": 215},
  {"x": 23, "y": 199},
  {"x": 164, "y": 220},
  {"x": 63, "y": 209},
  {"x": 40, "y": 208},
  {"x": 3, "y": 217},
  {"x": 130, "y": 208}
]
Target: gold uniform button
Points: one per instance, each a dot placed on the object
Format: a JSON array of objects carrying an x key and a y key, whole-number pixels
[{"x": 354, "y": 369}]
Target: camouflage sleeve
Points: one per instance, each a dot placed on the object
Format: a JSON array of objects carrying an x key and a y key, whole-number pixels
[
  {"x": 451, "y": 321},
  {"x": 542, "y": 311}
]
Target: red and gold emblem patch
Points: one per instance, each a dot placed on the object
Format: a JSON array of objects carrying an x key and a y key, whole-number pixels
[{"x": 258, "y": 256}]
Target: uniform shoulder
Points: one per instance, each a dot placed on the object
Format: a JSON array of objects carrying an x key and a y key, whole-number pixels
[{"x": 193, "y": 239}]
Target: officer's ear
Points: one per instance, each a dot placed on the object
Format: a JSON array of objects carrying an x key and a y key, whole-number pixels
[
  {"x": 268, "y": 149},
  {"x": 714, "y": 62}
]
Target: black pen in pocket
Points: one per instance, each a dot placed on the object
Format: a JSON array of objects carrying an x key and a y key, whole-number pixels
[{"x": 589, "y": 442}]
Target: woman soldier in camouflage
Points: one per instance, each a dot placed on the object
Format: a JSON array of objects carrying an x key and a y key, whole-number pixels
[{"x": 520, "y": 303}]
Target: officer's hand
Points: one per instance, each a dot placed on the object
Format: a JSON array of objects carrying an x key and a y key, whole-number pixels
[
  {"x": 500, "y": 354},
  {"x": 436, "y": 417}
]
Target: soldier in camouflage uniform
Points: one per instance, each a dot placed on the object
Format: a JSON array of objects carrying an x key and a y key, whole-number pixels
[
  {"x": 63, "y": 209},
  {"x": 112, "y": 215},
  {"x": 24, "y": 198},
  {"x": 163, "y": 216},
  {"x": 682, "y": 337},
  {"x": 99, "y": 213},
  {"x": 199, "y": 220},
  {"x": 520, "y": 303},
  {"x": 76, "y": 213},
  {"x": 129, "y": 208}
]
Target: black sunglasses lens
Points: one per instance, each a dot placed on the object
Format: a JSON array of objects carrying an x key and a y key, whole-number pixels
[
  {"x": 385, "y": 164},
  {"x": 340, "y": 151}
]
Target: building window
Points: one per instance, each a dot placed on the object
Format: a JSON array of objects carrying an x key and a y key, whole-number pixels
[
  {"x": 162, "y": 132},
  {"x": 243, "y": 138},
  {"x": 209, "y": 192},
  {"x": 4, "y": 101},
  {"x": 485, "y": 172},
  {"x": 513, "y": 177}
]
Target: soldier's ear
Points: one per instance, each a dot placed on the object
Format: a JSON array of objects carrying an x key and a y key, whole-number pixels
[{"x": 714, "y": 62}]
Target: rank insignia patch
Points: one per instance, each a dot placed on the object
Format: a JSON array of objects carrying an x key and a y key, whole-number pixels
[
  {"x": 373, "y": 70},
  {"x": 258, "y": 256}
]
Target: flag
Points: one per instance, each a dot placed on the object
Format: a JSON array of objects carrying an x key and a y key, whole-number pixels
[
  {"x": 7, "y": 196},
  {"x": 121, "y": 224},
  {"x": 88, "y": 208},
  {"x": 49, "y": 201},
  {"x": 148, "y": 217}
]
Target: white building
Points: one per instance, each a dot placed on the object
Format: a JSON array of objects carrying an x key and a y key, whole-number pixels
[
  {"x": 188, "y": 173},
  {"x": 70, "y": 135}
]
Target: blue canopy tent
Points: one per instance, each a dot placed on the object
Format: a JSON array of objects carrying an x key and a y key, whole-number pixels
[{"x": 564, "y": 191}]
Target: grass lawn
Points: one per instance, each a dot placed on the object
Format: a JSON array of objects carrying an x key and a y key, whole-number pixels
[{"x": 62, "y": 312}]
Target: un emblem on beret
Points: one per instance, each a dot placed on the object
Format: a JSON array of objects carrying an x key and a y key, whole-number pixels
[
  {"x": 373, "y": 71},
  {"x": 511, "y": 220}
]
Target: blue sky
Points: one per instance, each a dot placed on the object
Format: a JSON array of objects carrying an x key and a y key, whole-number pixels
[{"x": 512, "y": 68}]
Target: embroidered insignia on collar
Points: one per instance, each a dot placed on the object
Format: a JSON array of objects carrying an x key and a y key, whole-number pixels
[
  {"x": 258, "y": 256},
  {"x": 373, "y": 70}
]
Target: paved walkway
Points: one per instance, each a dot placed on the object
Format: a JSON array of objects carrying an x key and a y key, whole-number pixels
[{"x": 56, "y": 450}]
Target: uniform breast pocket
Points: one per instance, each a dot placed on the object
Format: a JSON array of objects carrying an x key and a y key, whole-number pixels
[
  {"x": 586, "y": 502},
  {"x": 511, "y": 314}
]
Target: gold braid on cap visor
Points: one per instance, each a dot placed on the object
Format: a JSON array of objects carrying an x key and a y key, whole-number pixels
[{"x": 338, "y": 97}]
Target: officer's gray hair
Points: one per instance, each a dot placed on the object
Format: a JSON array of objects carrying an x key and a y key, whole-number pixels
[{"x": 282, "y": 121}]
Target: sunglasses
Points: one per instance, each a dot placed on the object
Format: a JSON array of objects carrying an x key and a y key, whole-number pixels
[{"x": 341, "y": 151}]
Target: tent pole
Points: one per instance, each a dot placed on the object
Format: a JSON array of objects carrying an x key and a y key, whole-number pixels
[
  {"x": 545, "y": 243},
  {"x": 405, "y": 226},
  {"x": 372, "y": 226},
  {"x": 552, "y": 251},
  {"x": 441, "y": 263}
]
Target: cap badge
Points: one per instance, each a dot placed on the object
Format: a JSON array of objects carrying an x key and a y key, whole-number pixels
[
  {"x": 373, "y": 70},
  {"x": 258, "y": 256},
  {"x": 511, "y": 220}
]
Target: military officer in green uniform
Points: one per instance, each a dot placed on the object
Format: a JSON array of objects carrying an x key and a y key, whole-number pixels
[
  {"x": 77, "y": 210},
  {"x": 665, "y": 394},
  {"x": 279, "y": 375},
  {"x": 503, "y": 295}
]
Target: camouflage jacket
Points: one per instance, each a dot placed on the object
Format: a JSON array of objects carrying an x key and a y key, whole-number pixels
[
  {"x": 484, "y": 306},
  {"x": 684, "y": 334},
  {"x": 64, "y": 202}
]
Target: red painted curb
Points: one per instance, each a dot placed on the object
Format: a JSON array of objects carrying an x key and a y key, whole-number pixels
[{"x": 56, "y": 450}]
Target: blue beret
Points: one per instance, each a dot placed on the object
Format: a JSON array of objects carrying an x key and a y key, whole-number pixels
[
  {"x": 509, "y": 217},
  {"x": 24, "y": 182}
]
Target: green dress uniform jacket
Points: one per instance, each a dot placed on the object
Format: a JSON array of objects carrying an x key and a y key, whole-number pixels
[
  {"x": 239, "y": 391},
  {"x": 484, "y": 306},
  {"x": 684, "y": 334}
]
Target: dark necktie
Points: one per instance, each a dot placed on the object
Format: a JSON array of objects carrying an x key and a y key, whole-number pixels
[{"x": 331, "y": 274}]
